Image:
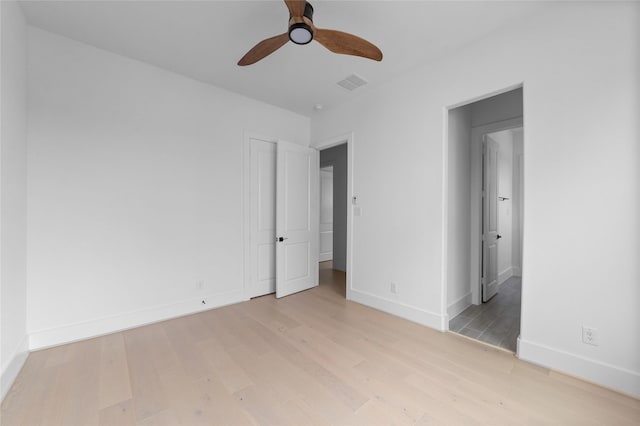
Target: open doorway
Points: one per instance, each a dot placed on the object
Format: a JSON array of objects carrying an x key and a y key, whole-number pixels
[
  {"x": 333, "y": 217},
  {"x": 485, "y": 199}
]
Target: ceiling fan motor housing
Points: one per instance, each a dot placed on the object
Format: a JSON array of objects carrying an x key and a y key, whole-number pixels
[{"x": 300, "y": 32}]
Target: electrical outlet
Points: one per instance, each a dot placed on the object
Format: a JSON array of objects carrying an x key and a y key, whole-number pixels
[
  {"x": 393, "y": 288},
  {"x": 590, "y": 336}
]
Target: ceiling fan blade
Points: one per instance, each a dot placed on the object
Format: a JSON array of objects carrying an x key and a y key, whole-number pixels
[
  {"x": 264, "y": 49},
  {"x": 296, "y": 7},
  {"x": 347, "y": 44}
]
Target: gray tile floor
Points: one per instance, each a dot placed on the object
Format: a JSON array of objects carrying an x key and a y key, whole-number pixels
[{"x": 496, "y": 322}]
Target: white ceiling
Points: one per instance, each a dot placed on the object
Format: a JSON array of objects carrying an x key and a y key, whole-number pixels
[{"x": 205, "y": 39}]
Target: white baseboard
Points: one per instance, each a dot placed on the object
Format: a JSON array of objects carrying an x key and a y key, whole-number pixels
[
  {"x": 323, "y": 257},
  {"x": 14, "y": 366},
  {"x": 459, "y": 305},
  {"x": 613, "y": 377},
  {"x": 517, "y": 272},
  {"x": 411, "y": 313},
  {"x": 70, "y": 333},
  {"x": 505, "y": 275}
]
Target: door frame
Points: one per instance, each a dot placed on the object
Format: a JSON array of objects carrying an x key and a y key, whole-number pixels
[
  {"x": 323, "y": 144},
  {"x": 444, "y": 287}
]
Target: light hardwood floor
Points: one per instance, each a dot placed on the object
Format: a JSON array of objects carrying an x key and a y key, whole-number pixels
[{"x": 309, "y": 359}]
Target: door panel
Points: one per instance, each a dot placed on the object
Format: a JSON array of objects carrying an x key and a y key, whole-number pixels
[
  {"x": 263, "y": 218},
  {"x": 297, "y": 218},
  {"x": 490, "y": 235},
  {"x": 296, "y": 258}
]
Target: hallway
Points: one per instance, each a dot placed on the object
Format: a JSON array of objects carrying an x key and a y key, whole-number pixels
[
  {"x": 496, "y": 322},
  {"x": 333, "y": 279}
]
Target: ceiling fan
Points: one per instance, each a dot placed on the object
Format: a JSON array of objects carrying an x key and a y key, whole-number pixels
[{"x": 303, "y": 31}]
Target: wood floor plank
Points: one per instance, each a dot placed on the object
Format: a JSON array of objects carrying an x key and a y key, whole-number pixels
[
  {"x": 22, "y": 399},
  {"x": 225, "y": 406},
  {"x": 77, "y": 390},
  {"x": 223, "y": 366},
  {"x": 119, "y": 414},
  {"x": 190, "y": 406},
  {"x": 347, "y": 394},
  {"x": 162, "y": 418},
  {"x": 115, "y": 385},
  {"x": 261, "y": 405},
  {"x": 312, "y": 358},
  {"x": 148, "y": 395},
  {"x": 184, "y": 345}
]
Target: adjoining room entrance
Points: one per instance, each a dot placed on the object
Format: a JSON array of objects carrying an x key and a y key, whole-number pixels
[
  {"x": 333, "y": 216},
  {"x": 485, "y": 194}
]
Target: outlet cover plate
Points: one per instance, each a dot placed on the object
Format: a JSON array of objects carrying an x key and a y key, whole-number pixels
[{"x": 590, "y": 336}]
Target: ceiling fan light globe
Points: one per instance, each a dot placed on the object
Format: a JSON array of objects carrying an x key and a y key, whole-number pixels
[{"x": 300, "y": 33}]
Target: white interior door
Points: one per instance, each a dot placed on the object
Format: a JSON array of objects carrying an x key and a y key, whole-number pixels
[
  {"x": 326, "y": 214},
  {"x": 297, "y": 218},
  {"x": 263, "y": 218},
  {"x": 490, "y": 235}
]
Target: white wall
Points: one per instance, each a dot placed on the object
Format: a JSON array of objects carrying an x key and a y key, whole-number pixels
[
  {"x": 135, "y": 190},
  {"x": 458, "y": 210},
  {"x": 504, "y": 140},
  {"x": 13, "y": 194},
  {"x": 580, "y": 64}
]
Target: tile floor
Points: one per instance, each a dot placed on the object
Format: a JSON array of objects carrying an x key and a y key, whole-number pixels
[{"x": 496, "y": 322}]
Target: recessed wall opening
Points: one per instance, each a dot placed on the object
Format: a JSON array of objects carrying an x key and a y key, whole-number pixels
[
  {"x": 485, "y": 196},
  {"x": 333, "y": 218}
]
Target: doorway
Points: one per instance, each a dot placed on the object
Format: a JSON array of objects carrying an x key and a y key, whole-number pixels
[
  {"x": 484, "y": 212},
  {"x": 333, "y": 215}
]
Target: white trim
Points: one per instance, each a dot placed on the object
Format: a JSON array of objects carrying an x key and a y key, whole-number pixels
[
  {"x": 608, "y": 375},
  {"x": 14, "y": 366},
  {"x": 402, "y": 310},
  {"x": 325, "y": 257},
  {"x": 349, "y": 139},
  {"x": 457, "y": 307},
  {"x": 85, "y": 330},
  {"x": 487, "y": 95},
  {"x": 505, "y": 275},
  {"x": 444, "y": 246}
]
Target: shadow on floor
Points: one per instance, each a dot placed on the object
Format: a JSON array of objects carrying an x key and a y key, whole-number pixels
[{"x": 496, "y": 322}]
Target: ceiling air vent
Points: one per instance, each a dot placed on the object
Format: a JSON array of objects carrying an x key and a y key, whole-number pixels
[{"x": 352, "y": 82}]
